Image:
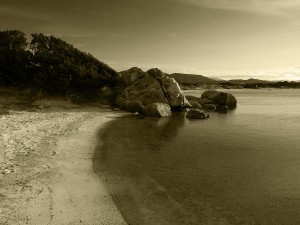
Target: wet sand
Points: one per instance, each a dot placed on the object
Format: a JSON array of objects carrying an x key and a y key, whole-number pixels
[{"x": 46, "y": 173}]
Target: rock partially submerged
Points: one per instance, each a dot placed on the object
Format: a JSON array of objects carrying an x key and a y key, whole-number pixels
[
  {"x": 220, "y": 98},
  {"x": 197, "y": 114}
]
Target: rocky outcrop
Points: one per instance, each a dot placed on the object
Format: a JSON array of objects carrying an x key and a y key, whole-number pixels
[
  {"x": 196, "y": 114},
  {"x": 157, "y": 110},
  {"x": 146, "y": 88}
]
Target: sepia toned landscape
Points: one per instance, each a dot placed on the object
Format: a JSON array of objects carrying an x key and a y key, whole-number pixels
[{"x": 149, "y": 113}]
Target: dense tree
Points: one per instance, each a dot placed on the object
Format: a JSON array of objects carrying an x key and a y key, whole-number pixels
[
  {"x": 14, "y": 58},
  {"x": 70, "y": 68},
  {"x": 50, "y": 64}
]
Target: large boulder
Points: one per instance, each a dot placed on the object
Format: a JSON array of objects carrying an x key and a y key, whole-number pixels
[
  {"x": 147, "y": 90},
  {"x": 150, "y": 87},
  {"x": 157, "y": 110},
  {"x": 220, "y": 100},
  {"x": 196, "y": 114}
]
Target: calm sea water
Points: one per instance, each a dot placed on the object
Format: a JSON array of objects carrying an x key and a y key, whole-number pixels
[{"x": 242, "y": 167}]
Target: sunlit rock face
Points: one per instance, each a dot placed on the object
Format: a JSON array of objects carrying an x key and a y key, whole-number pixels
[
  {"x": 157, "y": 110},
  {"x": 171, "y": 89}
]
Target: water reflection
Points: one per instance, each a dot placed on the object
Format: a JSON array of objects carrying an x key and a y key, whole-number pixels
[
  {"x": 123, "y": 160},
  {"x": 133, "y": 132}
]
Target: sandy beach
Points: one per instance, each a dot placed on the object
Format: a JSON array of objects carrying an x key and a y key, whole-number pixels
[{"x": 46, "y": 174}]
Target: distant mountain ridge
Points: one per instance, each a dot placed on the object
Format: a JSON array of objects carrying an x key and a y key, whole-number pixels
[
  {"x": 188, "y": 79},
  {"x": 248, "y": 81}
]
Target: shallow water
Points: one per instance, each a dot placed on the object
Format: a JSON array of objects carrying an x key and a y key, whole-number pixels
[{"x": 242, "y": 167}]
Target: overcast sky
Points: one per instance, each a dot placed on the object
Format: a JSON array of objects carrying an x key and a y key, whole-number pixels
[{"x": 223, "y": 38}]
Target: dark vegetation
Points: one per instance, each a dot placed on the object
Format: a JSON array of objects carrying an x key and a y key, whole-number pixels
[
  {"x": 50, "y": 65},
  {"x": 248, "y": 81},
  {"x": 265, "y": 84}
]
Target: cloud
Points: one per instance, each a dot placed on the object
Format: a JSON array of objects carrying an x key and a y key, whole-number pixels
[
  {"x": 288, "y": 73},
  {"x": 274, "y": 7},
  {"x": 15, "y": 12}
]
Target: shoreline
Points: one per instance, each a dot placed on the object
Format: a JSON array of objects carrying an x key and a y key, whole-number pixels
[{"x": 46, "y": 170}]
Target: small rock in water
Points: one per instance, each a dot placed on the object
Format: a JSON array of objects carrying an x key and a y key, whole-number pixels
[
  {"x": 222, "y": 109},
  {"x": 196, "y": 114}
]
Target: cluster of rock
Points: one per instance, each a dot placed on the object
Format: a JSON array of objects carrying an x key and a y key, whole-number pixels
[
  {"x": 154, "y": 93},
  {"x": 213, "y": 100}
]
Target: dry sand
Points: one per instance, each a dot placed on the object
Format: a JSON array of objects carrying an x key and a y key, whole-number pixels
[{"x": 46, "y": 174}]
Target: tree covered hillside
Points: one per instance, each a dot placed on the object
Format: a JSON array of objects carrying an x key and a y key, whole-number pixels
[{"x": 50, "y": 65}]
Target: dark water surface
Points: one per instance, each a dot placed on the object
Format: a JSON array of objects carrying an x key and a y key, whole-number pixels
[{"x": 242, "y": 167}]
